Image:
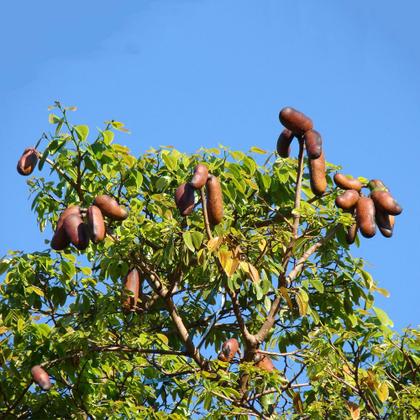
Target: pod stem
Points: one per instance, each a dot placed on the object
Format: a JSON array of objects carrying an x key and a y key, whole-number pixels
[
  {"x": 205, "y": 214},
  {"x": 298, "y": 192}
]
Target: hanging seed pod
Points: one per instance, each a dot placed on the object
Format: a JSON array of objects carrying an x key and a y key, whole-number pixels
[
  {"x": 283, "y": 143},
  {"x": 385, "y": 202},
  {"x": 351, "y": 233},
  {"x": 317, "y": 175},
  {"x": 229, "y": 349},
  {"x": 295, "y": 121},
  {"x": 385, "y": 223},
  {"x": 365, "y": 217},
  {"x": 132, "y": 284},
  {"x": 313, "y": 144},
  {"x": 184, "y": 199},
  {"x": 377, "y": 185},
  {"x": 110, "y": 207},
  {"x": 96, "y": 224},
  {"x": 77, "y": 231},
  {"x": 265, "y": 363},
  {"x": 41, "y": 377},
  {"x": 346, "y": 183},
  {"x": 199, "y": 179},
  {"x": 27, "y": 162},
  {"x": 61, "y": 240},
  {"x": 347, "y": 200},
  {"x": 214, "y": 200}
]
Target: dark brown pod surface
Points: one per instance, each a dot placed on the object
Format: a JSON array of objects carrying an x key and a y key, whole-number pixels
[
  {"x": 110, "y": 207},
  {"x": 41, "y": 377},
  {"x": 347, "y": 200},
  {"x": 27, "y": 162},
  {"x": 351, "y": 233},
  {"x": 184, "y": 199},
  {"x": 199, "y": 179},
  {"x": 77, "y": 231},
  {"x": 365, "y": 216},
  {"x": 283, "y": 143},
  {"x": 60, "y": 239},
  {"x": 295, "y": 121},
  {"x": 385, "y": 223},
  {"x": 265, "y": 363},
  {"x": 96, "y": 224},
  {"x": 229, "y": 349},
  {"x": 313, "y": 144},
  {"x": 385, "y": 201},
  {"x": 377, "y": 185},
  {"x": 317, "y": 175},
  {"x": 132, "y": 284},
  {"x": 346, "y": 183},
  {"x": 214, "y": 200}
]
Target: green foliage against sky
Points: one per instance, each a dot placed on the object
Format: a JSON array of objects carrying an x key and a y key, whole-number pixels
[{"x": 301, "y": 298}]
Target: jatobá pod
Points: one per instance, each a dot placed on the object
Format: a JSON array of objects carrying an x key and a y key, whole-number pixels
[
  {"x": 385, "y": 201},
  {"x": 96, "y": 224},
  {"x": 27, "y": 162},
  {"x": 377, "y": 185},
  {"x": 346, "y": 183},
  {"x": 184, "y": 199},
  {"x": 385, "y": 223},
  {"x": 295, "y": 121},
  {"x": 265, "y": 363},
  {"x": 214, "y": 200},
  {"x": 199, "y": 179},
  {"x": 347, "y": 200},
  {"x": 351, "y": 233},
  {"x": 365, "y": 216},
  {"x": 131, "y": 284},
  {"x": 77, "y": 231},
  {"x": 317, "y": 175},
  {"x": 60, "y": 239},
  {"x": 313, "y": 144},
  {"x": 110, "y": 207},
  {"x": 283, "y": 143},
  {"x": 229, "y": 349},
  {"x": 41, "y": 377}
]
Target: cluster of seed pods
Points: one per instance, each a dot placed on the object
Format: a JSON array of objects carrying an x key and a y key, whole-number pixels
[
  {"x": 185, "y": 194},
  {"x": 379, "y": 208}
]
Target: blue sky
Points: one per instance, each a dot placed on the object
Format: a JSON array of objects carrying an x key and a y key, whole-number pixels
[{"x": 197, "y": 73}]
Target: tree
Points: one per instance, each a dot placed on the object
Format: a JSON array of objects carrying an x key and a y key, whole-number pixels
[{"x": 277, "y": 275}]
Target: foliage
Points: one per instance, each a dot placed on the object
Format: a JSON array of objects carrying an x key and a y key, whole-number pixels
[{"x": 302, "y": 297}]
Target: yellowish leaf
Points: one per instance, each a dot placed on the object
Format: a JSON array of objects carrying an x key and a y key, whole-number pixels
[
  {"x": 302, "y": 305},
  {"x": 262, "y": 244},
  {"x": 253, "y": 272},
  {"x": 297, "y": 403},
  {"x": 354, "y": 410},
  {"x": 284, "y": 292},
  {"x": 214, "y": 243},
  {"x": 228, "y": 263},
  {"x": 3, "y": 330},
  {"x": 382, "y": 391}
]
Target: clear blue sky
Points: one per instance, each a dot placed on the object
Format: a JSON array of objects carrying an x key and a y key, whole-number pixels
[{"x": 198, "y": 72}]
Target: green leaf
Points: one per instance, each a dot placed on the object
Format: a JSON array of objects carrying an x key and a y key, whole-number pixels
[
  {"x": 108, "y": 136},
  {"x": 53, "y": 119},
  {"x": 317, "y": 284},
  {"x": 197, "y": 239},
  {"x": 255, "y": 149},
  {"x": 383, "y": 317},
  {"x": 82, "y": 132},
  {"x": 188, "y": 240},
  {"x": 35, "y": 290}
]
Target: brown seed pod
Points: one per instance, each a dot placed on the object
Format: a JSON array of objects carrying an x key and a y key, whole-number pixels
[
  {"x": 347, "y": 200},
  {"x": 27, "y": 162},
  {"x": 96, "y": 224},
  {"x": 265, "y": 363},
  {"x": 295, "y": 121},
  {"x": 229, "y": 349},
  {"x": 77, "y": 231},
  {"x": 199, "y": 179},
  {"x": 214, "y": 200},
  {"x": 385, "y": 201},
  {"x": 365, "y": 216},
  {"x": 132, "y": 284},
  {"x": 184, "y": 199},
  {"x": 346, "y": 183},
  {"x": 385, "y": 223},
  {"x": 60, "y": 240},
  {"x": 377, "y": 185},
  {"x": 283, "y": 143},
  {"x": 110, "y": 207},
  {"x": 351, "y": 233},
  {"x": 317, "y": 175},
  {"x": 313, "y": 144},
  {"x": 41, "y": 377}
]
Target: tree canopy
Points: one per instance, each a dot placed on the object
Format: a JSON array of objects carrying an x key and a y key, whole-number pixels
[{"x": 276, "y": 274}]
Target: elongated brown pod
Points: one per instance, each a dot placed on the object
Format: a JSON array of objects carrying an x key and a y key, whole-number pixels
[
  {"x": 41, "y": 377},
  {"x": 317, "y": 175},
  {"x": 351, "y": 233},
  {"x": 199, "y": 179},
  {"x": 60, "y": 240},
  {"x": 184, "y": 199},
  {"x": 283, "y": 143},
  {"x": 27, "y": 162},
  {"x": 214, "y": 200},
  {"x": 265, "y": 363},
  {"x": 347, "y": 200},
  {"x": 313, "y": 144},
  {"x": 96, "y": 224},
  {"x": 346, "y": 183},
  {"x": 295, "y": 120},
  {"x": 365, "y": 216},
  {"x": 131, "y": 284},
  {"x": 110, "y": 207},
  {"x": 229, "y": 349},
  {"x": 77, "y": 231},
  {"x": 377, "y": 185},
  {"x": 385, "y": 223},
  {"x": 385, "y": 201}
]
